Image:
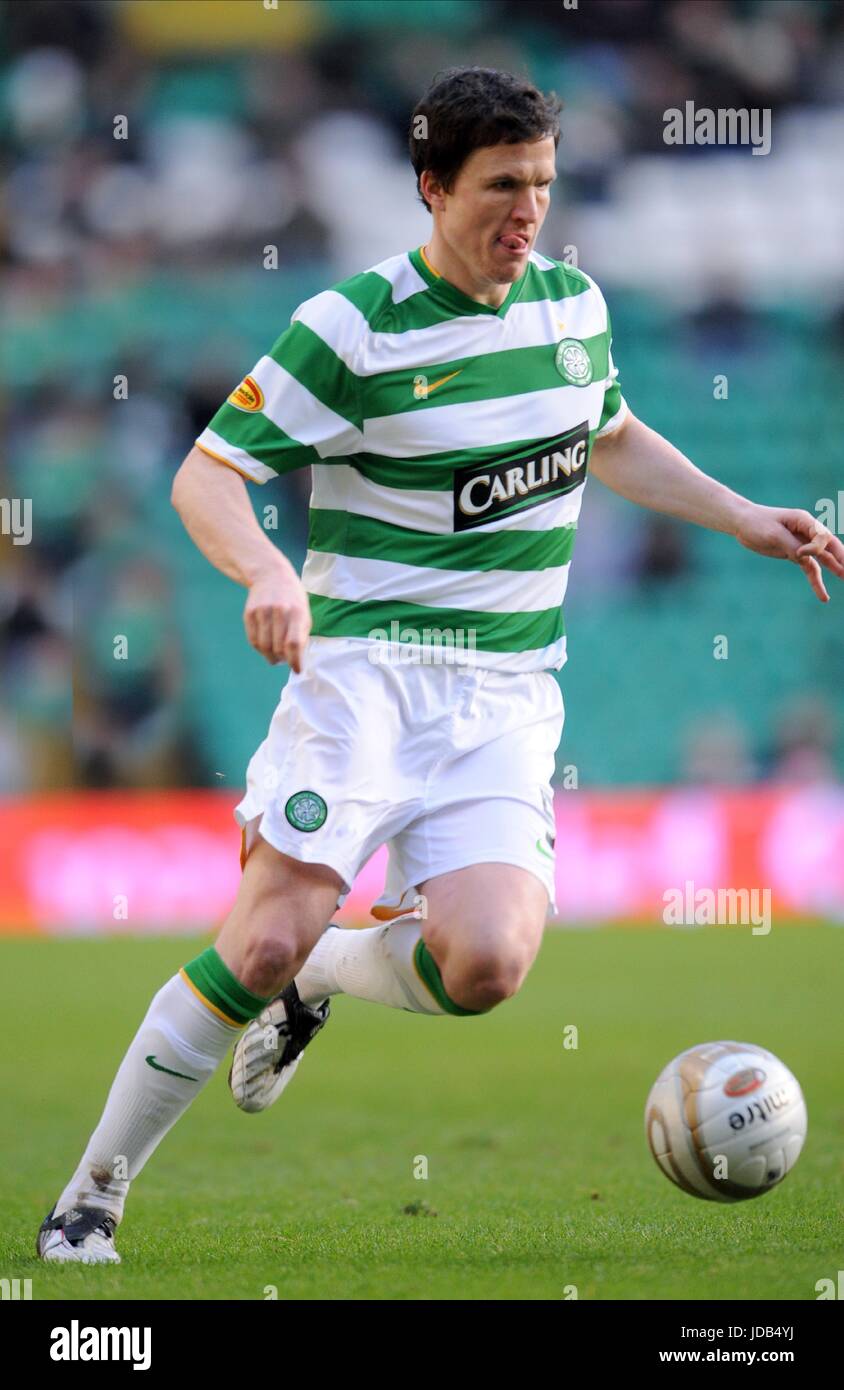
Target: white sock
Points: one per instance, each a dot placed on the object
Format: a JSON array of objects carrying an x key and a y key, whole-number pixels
[
  {"x": 180, "y": 1033},
  {"x": 376, "y": 963}
]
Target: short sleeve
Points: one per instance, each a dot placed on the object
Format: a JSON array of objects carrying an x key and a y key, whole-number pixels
[
  {"x": 299, "y": 405},
  {"x": 615, "y": 408}
]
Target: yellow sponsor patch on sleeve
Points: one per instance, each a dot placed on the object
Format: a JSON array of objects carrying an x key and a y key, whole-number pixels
[{"x": 248, "y": 395}]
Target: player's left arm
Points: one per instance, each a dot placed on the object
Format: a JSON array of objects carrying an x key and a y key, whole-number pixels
[{"x": 636, "y": 462}]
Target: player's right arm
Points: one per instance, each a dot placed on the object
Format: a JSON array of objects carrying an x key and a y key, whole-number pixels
[
  {"x": 214, "y": 505},
  {"x": 300, "y": 405}
]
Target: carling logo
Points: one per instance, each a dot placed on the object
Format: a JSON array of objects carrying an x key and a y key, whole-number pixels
[{"x": 497, "y": 489}]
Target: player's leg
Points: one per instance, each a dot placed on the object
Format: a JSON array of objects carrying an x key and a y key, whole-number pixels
[
  {"x": 471, "y": 949},
  {"x": 484, "y": 813},
  {"x": 270, "y": 1049},
  {"x": 480, "y": 859},
  {"x": 488, "y": 843},
  {"x": 481, "y": 934},
  {"x": 281, "y": 909}
]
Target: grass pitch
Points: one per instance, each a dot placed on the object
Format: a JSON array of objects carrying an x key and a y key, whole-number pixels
[{"x": 538, "y": 1173}]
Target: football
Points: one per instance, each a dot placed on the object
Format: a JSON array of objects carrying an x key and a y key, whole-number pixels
[{"x": 726, "y": 1121}]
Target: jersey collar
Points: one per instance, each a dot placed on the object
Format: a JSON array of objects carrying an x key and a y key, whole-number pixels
[{"x": 455, "y": 298}]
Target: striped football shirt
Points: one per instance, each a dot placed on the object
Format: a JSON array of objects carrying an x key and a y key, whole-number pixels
[{"x": 449, "y": 444}]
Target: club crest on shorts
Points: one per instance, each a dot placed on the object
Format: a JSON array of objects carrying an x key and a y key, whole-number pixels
[
  {"x": 306, "y": 811},
  {"x": 573, "y": 362}
]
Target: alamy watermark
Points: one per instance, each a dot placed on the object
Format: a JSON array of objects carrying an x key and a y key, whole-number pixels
[
  {"x": 428, "y": 646},
  {"x": 15, "y": 1289},
  {"x": 700, "y": 125},
  {"x": 16, "y": 519},
  {"x": 690, "y": 906},
  {"x": 82, "y": 1343},
  {"x": 831, "y": 512},
  {"x": 830, "y": 1288}
]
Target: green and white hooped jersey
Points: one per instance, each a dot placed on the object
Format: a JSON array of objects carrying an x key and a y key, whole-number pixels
[{"x": 449, "y": 444}]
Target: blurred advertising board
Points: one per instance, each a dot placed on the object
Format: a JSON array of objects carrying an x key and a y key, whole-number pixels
[{"x": 168, "y": 862}]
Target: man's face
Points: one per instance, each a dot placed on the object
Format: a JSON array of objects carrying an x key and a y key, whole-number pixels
[{"x": 492, "y": 216}]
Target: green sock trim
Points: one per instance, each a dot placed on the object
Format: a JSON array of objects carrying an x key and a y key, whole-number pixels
[
  {"x": 211, "y": 977},
  {"x": 431, "y": 977}
]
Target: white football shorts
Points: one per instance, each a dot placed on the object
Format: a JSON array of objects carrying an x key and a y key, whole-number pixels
[{"x": 448, "y": 765}]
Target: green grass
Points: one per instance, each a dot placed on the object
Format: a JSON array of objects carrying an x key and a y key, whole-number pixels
[{"x": 539, "y": 1176}]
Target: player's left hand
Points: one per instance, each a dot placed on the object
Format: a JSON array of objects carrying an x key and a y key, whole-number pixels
[{"x": 787, "y": 534}]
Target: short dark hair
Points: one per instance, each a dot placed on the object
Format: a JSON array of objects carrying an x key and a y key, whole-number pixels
[{"x": 465, "y": 109}]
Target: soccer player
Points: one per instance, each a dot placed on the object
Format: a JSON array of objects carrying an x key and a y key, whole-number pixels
[{"x": 450, "y": 402}]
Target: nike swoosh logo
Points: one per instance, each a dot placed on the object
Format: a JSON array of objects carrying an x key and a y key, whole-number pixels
[
  {"x": 158, "y": 1067},
  {"x": 443, "y": 379},
  {"x": 543, "y": 849}
]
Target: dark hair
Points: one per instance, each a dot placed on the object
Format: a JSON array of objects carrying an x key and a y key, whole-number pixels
[{"x": 465, "y": 109}]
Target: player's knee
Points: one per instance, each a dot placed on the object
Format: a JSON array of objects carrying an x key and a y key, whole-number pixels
[
  {"x": 269, "y": 961},
  {"x": 485, "y": 979}
]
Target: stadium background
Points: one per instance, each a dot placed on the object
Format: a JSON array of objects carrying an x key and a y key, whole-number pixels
[
  {"x": 142, "y": 258},
  {"x": 252, "y": 127}
]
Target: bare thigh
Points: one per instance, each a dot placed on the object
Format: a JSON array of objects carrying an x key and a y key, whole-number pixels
[
  {"x": 483, "y": 926},
  {"x": 281, "y": 910}
]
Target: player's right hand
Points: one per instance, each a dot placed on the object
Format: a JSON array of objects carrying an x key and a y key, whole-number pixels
[{"x": 277, "y": 617}]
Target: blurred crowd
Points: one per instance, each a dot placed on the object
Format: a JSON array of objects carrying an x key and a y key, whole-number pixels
[{"x": 153, "y": 152}]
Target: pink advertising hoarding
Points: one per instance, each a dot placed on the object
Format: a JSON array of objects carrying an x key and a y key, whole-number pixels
[{"x": 169, "y": 861}]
